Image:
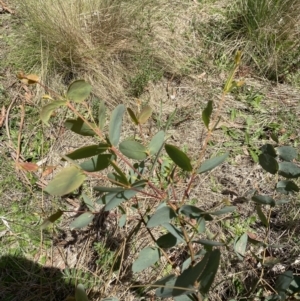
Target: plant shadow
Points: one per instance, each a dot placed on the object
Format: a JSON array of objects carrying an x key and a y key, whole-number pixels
[{"x": 22, "y": 279}]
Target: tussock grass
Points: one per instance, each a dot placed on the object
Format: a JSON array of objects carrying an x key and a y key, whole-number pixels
[
  {"x": 107, "y": 42},
  {"x": 268, "y": 32}
]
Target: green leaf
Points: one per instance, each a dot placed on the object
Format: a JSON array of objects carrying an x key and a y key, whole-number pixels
[
  {"x": 78, "y": 126},
  {"x": 161, "y": 216},
  {"x": 211, "y": 268},
  {"x": 184, "y": 298},
  {"x": 283, "y": 282},
  {"x": 115, "y": 124},
  {"x": 268, "y": 149},
  {"x": 274, "y": 137},
  {"x": 287, "y": 153},
  {"x": 122, "y": 220},
  {"x": 167, "y": 241},
  {"x": 79, "y": 90},
  {"x": 261, "y": 216},
  {"x": 156, "y": 143},
  {"x": 207, "y": 242},
  {"x": 88, "y": 202},
  {"x": 49, "y": 108},
  {"x": 224, "y": 210},
  {"x": 179, "y": 157},
  {"x": 133, "y": 150},
  {"x": 80, "y": 294},
  {"x": 125, "y": 195},
  {"x": 201, "y": 225},
  {"x": 146, "y": 258},
  {"x": 174, "y": 231},
  {"x": 240, "y": 245},
  {"x": 287, "y": 187},
  {"x": 132, "y": 116},
  {"x": 289, "y": 170},
  {"x": 96, "y": 163},
  {"x": 119, "y": 177},
  {"x": 263, "y": 200},
  {"x": 282, "y": 202},
  {"x": 168, "y": 283},
  {"x": 110, "y": 299},
  {"x": 194, "y": 212},
  {"x": 101, "y": 115},
  {"x": 88, "y": 151},
  {"x": 210, "y": 164},
  {"x": 109, "y": 189},
  {"x": 51, "y": 219},
  {"x": 295, "y": 285},
  {"x": 145, "y": 114},
  {"x": 206, "y": 114},
  {"x": 82, "y": 220},
  {"x": 268, "y": 163},
  {"x": 66, "y": 181}
]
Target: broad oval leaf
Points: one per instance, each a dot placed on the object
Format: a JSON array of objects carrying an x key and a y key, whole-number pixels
[
  {"x": 283, "y": 281},
  {"x": 240, "y": 245},
  {"x": 263, "y": 200},
  {"x": 49, "y": 108},
  {"x": 167, "y": 241},
  {"x": 133, "y": 150},
  {"x": 82, "y": 220},
  {"x": 88, "y": 151},
  {"x": 282, "y": 202},
  {"x": 268, "y": 163},
  {"x": 66, "y": 181},
  {"x": 109, "y": 189},
  {"x": 194, "y": 212},
  {"x": 146, "y": 258},
  {"x": 287, "y": 153},
  {"x": 115, "y": 124},
  {"x": 168, "y": 283},
  {"x": 287, "y": 187},
  {"x": 96, "y": 163},
  {"x": 126, "y": 195},
  {"x": 161, "y": 216},
  {"x": 122, "y": 220},
  {"x": 179, "y": 157},
  {"x": 224, "y": 210},
  {"x": 262, "y": 216},
  {"x": 206, "y": 113},
  {"x": 78, "y": 126},
  {"x": 156, "y": 142},
  {"x": 268, "y": 149},
  {"x": 145, "y": 114},
  {"x": 211, "y": 268},
  {"x": 210, "y": 164},
  {"x": 174, "y": 231},
  {"x": 207, "y": 242},
  {"x": 88, "y": 202},
  {"x": 79, "y": 90},
  {"x": 132, "y": 116},
  {"x": 80, "y": 294},
  {"x": 289, "y": 170},
  {"x": 51, "y": 219},
  {"x": 184, "y": 298}
]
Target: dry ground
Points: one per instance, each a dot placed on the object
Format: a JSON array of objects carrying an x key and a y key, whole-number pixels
[{"x": 87, "y": 256}]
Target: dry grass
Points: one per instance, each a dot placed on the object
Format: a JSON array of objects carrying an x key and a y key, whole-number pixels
[{"x": 107, "y": 42}]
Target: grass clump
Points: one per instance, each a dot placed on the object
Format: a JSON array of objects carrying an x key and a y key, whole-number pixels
[
  {"x": 268, "y": 31},
  {"x": 101, "y": 41},
  {"x": 84, "y": 36}
]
